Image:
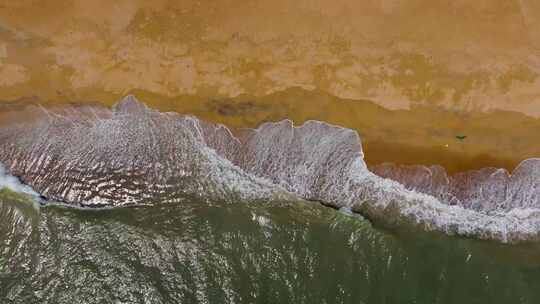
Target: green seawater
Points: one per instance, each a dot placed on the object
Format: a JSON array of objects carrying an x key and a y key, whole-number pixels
[{"x": 246, "y": 253}]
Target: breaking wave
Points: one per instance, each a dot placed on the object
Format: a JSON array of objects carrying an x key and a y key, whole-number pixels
[
  {"x": 12, "y": 183},
  {"x": 96, "y": 157}
]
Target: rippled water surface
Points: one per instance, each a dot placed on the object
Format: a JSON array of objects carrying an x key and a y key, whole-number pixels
[{"x": 241, "y": 253}]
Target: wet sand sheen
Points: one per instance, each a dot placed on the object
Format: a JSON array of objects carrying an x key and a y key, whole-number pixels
[
  {"x": 396, "y": 53},
  {"x": 417, "y": 136},
  {"x": 132, "y": 155}
]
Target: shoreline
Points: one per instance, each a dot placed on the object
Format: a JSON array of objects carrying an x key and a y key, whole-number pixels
[{"x": 420, "y": 136}]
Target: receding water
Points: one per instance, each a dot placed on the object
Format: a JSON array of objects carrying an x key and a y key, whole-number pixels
[{"x": 246, "y": 253}]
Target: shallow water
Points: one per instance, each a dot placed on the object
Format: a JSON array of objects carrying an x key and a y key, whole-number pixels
[{"x": 246, "y": 253}]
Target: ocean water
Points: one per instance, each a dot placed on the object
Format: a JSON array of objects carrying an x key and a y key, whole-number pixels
[
  {"x": 166, "y": 208},
  {"x": 201, "y": 252},
  {"x": 132, "y": 155}
]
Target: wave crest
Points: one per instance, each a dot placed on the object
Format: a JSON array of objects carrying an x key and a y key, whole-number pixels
[
  {"x": 8, "y": 181},
  {"x": 93, "y": 156}
]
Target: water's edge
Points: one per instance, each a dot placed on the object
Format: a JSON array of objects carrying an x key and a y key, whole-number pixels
[{"x": 96, "y": 157}]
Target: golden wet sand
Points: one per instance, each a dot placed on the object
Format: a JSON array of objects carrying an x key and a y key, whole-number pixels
[
  {"x": 463, "y": 55},
  {"x": 408, "y": 75},
  {"x": 418, "y": 136}
]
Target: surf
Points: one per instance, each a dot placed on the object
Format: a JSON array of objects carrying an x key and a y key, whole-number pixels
[{"x": 91, "y": 156}]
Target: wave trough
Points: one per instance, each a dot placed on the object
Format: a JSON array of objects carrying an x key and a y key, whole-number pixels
[{"x": 96, "y": 157}]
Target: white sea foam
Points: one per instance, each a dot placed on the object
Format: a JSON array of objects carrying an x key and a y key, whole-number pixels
[
  {"x": 392, "y": 204},
  {"x": 14, "y": 184},
  {"x": 135, "y": 155}
]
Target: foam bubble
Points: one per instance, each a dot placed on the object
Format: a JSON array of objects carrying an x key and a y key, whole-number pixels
[
  {"x": 14, "y": 184},
  {"x": 135, "y": 155}
]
